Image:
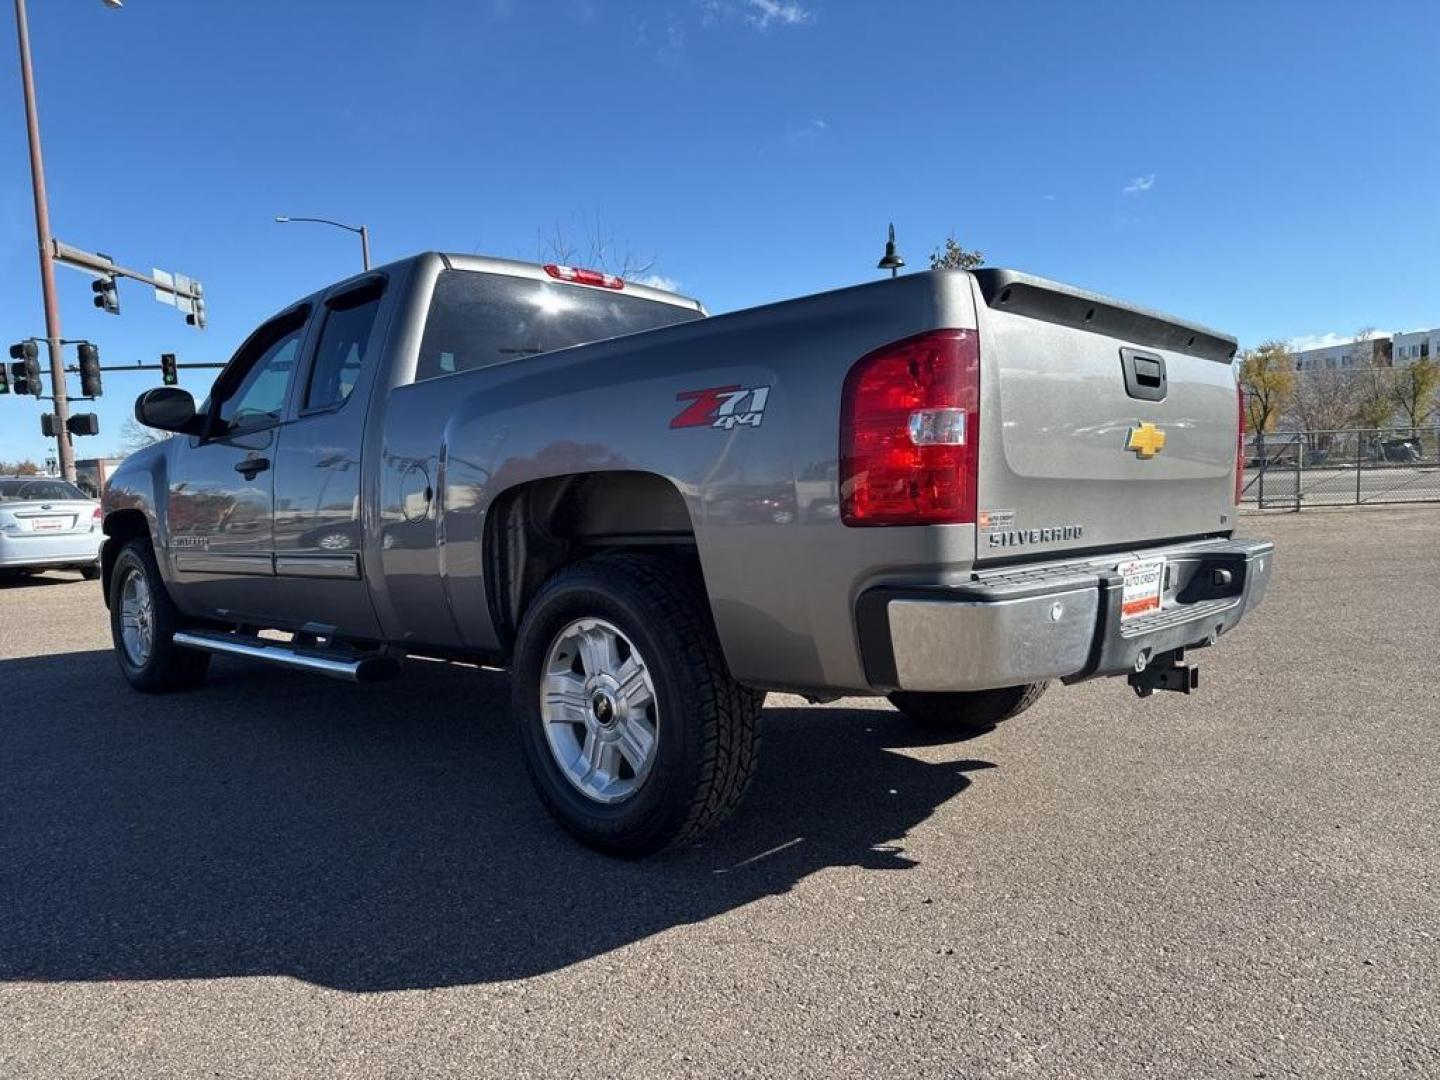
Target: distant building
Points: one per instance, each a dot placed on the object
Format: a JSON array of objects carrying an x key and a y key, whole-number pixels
[
  {"x": 1416, "y": 345},
  {"x": 1398, "y": 350},
  {"x": 91, "y": 474}
]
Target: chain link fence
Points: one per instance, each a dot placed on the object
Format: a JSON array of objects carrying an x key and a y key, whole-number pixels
[{"x": 1295, "y": 469}]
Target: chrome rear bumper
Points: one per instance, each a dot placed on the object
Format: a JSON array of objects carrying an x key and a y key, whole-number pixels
[{"x": 1057, "y": 620}]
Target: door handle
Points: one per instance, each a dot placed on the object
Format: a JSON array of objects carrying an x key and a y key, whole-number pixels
[{"x": 252, "y": 467}]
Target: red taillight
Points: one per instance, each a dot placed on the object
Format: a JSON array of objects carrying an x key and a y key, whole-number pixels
[
  {"x": 95, "y": 519},
  {"x": 1240, "y": 445},
  {"x": 909, "y": 428},
  {"x": 584, "y": 277}
]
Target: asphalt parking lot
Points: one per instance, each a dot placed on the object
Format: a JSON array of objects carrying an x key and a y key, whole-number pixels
[{"x": 280, "y": 875}]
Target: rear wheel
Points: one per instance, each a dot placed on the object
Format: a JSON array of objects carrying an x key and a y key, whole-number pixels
[
  {"x": 91, "y": 572},
  {"x": 969, "y": 712},
  {"x": 142, "y": 620},
  {"x": 634, "y": 732}
]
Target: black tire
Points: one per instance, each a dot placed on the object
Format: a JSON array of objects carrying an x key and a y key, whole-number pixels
[
  {"x": 166, "y": 666},
  {"x": 707, "y": 724},
  {"x": 968, "y": 713},
  {"x": 91, "y": 572}
]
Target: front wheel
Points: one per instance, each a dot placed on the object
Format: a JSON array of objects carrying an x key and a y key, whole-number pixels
[
  {"x": 967, "y": 713},
  {"x": 634, "y": 732},
  {"x": 142, "y": 620}
]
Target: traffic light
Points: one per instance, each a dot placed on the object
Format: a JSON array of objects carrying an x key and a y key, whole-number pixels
[
  {"x": 26, "y": 373},
  {"x": 85, "y": 423},
  {"x": 49, "y": 425},
  {"x": 168, "y": 373},
  {"x": 89, "y": 370},
  {"x": 4, "y": 378},
  {"x": 107, "y": 293},
  {"x": 196, "y": 318}
]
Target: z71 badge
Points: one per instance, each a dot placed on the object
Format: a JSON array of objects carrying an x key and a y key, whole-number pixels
[{"x": 723, "y": 407}]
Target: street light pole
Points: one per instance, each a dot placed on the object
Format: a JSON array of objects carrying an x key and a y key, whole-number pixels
[
  {"x": 66, "y": 449},
  {"x": 363, "y": 232}
]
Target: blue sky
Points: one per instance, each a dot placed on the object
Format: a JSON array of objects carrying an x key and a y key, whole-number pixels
[{"x": 1268, "y": 168}]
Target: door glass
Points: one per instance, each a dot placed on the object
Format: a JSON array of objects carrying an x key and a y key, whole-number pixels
[
  {"x": 260, "y": 398},
  {"x": 341, "y": 350}
]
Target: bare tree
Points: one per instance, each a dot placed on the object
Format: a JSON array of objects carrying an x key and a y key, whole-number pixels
[
  {"x": 592, "y": 244},
  {"x": 1326, "y": 400},
  {"x": 134, "y": 436},
  {"x": 1373, "y": 374}
]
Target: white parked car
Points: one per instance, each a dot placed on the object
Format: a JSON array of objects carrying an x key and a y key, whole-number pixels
[{"x": 48, "y": 524}]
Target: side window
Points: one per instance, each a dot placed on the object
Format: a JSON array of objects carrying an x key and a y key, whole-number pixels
[
  {"x": 478, "y": 319},
  {"x": 259, "y": 399},
  {"x": 349, "y": 320}
]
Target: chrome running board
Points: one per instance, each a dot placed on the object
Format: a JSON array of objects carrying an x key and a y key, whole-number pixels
[{"x": 359, "y": 668}]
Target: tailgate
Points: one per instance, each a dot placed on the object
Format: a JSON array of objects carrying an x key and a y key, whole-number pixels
[{"x": 1102, "y": 424}]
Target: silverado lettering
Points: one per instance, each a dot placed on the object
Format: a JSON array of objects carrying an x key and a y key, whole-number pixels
[{"x": 1047, "y": 535}]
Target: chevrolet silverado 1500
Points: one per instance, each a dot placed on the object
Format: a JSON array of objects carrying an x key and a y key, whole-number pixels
[{"x": 949, "y": 488}]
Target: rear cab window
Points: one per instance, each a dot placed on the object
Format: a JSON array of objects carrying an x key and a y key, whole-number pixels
[
  {"x": 38, "y": 491},
  {"x": 479, "y": 319}
]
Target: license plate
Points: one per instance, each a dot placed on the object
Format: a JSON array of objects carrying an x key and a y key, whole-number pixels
[
  {"x": 49, "y": 524},
  {"x": 1144, "y": 579}
]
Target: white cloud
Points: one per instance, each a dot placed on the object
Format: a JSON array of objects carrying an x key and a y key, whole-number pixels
[
  {"x": 1139, "y": 184},
  {"x": 761, "y": 14},
  {"x": 658, "y": 281},
  {"x": 768, "y": 11},
  {"x": 674, "y": 45},
  {"x": 1048, "y": 198},
  {"x": 1305, "y": 342},
  {"x": 812, "y": 129}
]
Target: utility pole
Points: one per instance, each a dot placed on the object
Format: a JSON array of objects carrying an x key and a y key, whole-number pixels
[{"x": 65, "y": 449}]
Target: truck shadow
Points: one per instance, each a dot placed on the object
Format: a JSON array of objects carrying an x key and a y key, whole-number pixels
[{"x": 376, "y": 838}]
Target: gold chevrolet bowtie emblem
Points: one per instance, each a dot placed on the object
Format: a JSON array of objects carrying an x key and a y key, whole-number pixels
[{"x": 1147, "y": 440}]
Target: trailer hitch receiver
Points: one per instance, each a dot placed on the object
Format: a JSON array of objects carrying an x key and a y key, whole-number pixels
[{"x": 1168, "y": 672}]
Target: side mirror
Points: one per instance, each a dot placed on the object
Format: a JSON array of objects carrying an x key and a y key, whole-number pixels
[{"x": 168, "y": 408}]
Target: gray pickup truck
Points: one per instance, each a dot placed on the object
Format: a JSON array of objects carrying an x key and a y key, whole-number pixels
[{"x": 948, "y": 488}]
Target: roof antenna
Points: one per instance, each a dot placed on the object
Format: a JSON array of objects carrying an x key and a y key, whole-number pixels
[{"x": 892, "y": 260}]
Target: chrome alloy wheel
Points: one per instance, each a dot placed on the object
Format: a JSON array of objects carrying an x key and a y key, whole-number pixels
[
  {"x": 137, "y": 618},
  {"x": 597, "y": 703}
]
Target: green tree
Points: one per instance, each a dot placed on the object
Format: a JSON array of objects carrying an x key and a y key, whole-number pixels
[
  {"x": 1413, "y": 390},
  {"x": 954, "y": 257},
  {"x": 1267, "y": 373}
]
